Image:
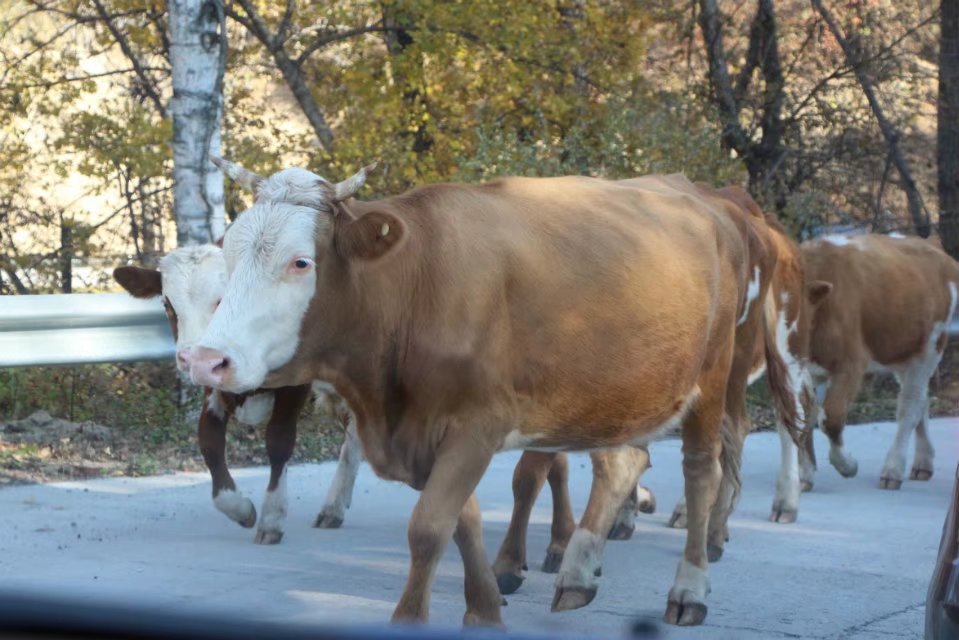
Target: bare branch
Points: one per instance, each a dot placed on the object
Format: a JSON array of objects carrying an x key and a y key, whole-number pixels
[
  {"x": 339, "y": 36},
  {"x": 917, "y": 209},
  {"x": 67, "y": 79},
  {"x": 149, "y": 86}
]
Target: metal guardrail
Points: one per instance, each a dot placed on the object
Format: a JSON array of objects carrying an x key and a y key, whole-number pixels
[
  {"x": 82, "y": 328},
  {"x": 87, "y": 328}
]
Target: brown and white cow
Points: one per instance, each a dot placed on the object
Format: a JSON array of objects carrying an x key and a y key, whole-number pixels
[
  {"x": 891, "y": 303},
  {"x": 778, "y": 335},
  {"x": 191, "y": 281},
  {"x": 458, "y": 321}
]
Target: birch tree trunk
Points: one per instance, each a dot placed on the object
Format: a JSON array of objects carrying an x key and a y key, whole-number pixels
[{"x": 197, "y": 59}]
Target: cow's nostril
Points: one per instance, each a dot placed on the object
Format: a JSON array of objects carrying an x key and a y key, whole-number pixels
[{"x": 223, "y": 365}]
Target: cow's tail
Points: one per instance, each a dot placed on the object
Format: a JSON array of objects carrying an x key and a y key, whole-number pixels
[{"x": 785, "y": 391}]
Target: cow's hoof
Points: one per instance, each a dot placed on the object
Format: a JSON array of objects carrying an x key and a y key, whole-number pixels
[
  {"x": 920, "y": 474},
  {"x": 805, "y": 486},
  {"x": 783, "y": 516},
  {"x": 267, "y": 537},
  {"x": 328, "y": 521},
  {"x": 621, "y": 531},
  {"x": 508, "y": 583},
  {"x": 847, "y": 468},
  {"x": 552, "y": 561},
  {"x": 568, "y": 598},
  {"x": 677, "y": 520},
  {"x": 890, "y": 483},
  {"x": 250, "y": 519},
  {"x": 713, "y": 552},
  {"x": 598, "y": 572},
  {"x": 647, "y": 504},
  {"x": 685, "y": 614}
]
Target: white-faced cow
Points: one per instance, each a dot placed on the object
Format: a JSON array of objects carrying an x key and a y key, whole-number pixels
[
  {"x": 891, "y": 303},
  {"x": 458, "y": 321},
  {"x": 191, "y": 281}
]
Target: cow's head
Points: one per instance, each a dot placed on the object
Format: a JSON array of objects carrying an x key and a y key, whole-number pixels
[
  {"x": 279, "y": 255},
  {"x": 191, "y": 281}
]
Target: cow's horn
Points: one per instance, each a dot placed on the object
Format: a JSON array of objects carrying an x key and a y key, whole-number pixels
[
  {"x": 243, "y": 177},
  {"x": 345, "y": 189}
]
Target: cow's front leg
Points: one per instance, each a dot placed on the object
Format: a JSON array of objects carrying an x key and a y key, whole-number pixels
[
  {"x": 280, "y": 440},
  {"x": 340, "y": 494},
  {"x": 639, "y": 499},
  {"x": 615, "y": 473},
  {"x": 483, "y": 601},
  {"x": 218, "y": 406},
  {"x": 460, "y": 462},
  {"x": 528, "y": 478}
]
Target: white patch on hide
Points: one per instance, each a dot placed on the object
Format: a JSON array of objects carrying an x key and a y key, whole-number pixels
[
  {"x": 752, "y": 292},
  {"x": 214, "y": 405},
  {"x": 255, "y": 409}
]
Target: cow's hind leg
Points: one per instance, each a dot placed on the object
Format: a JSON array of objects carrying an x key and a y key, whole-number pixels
[
  {"x": 911, "y": 410},
  {"x": 922, "y": 463},
  {"x": 702, "y": 472},
  {"x": 563, "y": 522},
  {"x": 483, "y": 601},
  {"x": 280, "y": 440},
  {"x": 211, "y": 434},
  {"x": 340, "y": 494},
  {"x": 786, "y": 502},
  {"x": 615, "y": 473},
  {"x": 807, "y": 453},
  {"x": 528, "y": 478}
]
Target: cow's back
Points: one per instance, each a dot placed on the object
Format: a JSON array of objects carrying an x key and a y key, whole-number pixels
[
  {"x": 569, "y": 301},
  {"x": 888, "y": 294}
]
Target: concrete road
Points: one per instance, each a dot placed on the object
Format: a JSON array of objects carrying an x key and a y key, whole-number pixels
[{"x": 856, "y": 565}]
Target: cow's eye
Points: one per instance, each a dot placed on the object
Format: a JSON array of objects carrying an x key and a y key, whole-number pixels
[{"x": 301, "y": 264}]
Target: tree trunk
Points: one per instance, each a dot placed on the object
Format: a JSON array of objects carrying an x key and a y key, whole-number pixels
[
  {"x": 763, "y": 158},
  {"x": 948, "y": 128},
  {"x": 917, "y": 210},
  {"x": 66, "y": 255},
  {"x": 197, "y": 59}
]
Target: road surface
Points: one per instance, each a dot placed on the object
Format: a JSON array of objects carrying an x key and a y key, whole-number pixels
[{"x": 856, "y": 565}]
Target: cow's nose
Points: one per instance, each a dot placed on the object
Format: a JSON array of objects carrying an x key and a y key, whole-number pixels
[
  {"x": 183, "y": 359},
  {"x": 209, "y": 367}
]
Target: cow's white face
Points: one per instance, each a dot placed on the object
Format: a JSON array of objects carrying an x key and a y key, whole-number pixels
[
  {"x": 270, "y": 253},
  {"x": 193, "y": 281}
]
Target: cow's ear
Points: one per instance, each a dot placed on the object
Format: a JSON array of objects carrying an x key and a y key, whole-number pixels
[
  {"x": 817, "y": 291},
  {"x": 370, "y": 236},
  {"x": 140, "y": 282}
]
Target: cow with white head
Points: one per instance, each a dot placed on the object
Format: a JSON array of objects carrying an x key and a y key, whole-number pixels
[
  {"x": 460, "y": 320},
  {"x": 191, "y": 281}
]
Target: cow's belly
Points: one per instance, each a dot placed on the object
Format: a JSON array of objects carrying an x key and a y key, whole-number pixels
[{"x": 636, "y": 430}]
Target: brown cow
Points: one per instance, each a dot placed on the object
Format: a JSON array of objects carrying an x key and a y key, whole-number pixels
[
  {"x": 891, "y": 302},
  {"x": 784, "y": 337},
  {"x": 458, "y": 321}
]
